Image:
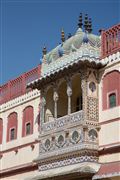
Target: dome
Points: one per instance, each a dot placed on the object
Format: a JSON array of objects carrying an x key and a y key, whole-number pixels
[{"x": 72, "y": 44}]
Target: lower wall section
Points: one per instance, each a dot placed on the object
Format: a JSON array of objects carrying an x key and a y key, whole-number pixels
[
  {"x": 20, "y": 176},
  {"x": 18, "y": 156},
  {"x": 109, "y": 158}
]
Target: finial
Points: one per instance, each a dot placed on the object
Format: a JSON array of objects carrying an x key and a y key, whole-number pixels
[
  {"x": 62, "y": 35},
  {"x": 90, "y": 25},
  {"x": 86, "y": 22},
  {"x": 44, "y": 51},
  {"x": 80, "y": 21}
]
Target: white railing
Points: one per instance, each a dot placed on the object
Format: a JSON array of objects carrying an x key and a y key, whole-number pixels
[{"x": 67, "y": 120}]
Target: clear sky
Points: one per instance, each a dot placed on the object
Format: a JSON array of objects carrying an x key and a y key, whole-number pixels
[{"x": 27, "y": 25}]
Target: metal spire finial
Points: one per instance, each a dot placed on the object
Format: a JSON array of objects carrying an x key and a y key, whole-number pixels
[
  {"x": 90, "y": 25},
  {"x": 86, "y": 22},
  {"x": 62, "y": 35},
  {"x": 80, "y": 21},
  {"x": 44, "y": 51}
]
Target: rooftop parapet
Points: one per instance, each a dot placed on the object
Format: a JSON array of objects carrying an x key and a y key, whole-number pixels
[
  {"x": 110, "y": 41},
  {"x": 17, "y": 87}
]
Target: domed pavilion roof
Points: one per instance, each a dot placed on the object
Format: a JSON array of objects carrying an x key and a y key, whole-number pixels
[{"x": 78, "y": 41}]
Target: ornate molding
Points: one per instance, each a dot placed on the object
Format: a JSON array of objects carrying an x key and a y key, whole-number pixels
[
  {"x": 20, "y": 100},
  {"x": 63, "y": 122}
]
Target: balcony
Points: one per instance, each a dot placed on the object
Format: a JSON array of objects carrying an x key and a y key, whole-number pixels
[
  {"x": 63, "y": 123},
  {"x": 68, "y": 136}
]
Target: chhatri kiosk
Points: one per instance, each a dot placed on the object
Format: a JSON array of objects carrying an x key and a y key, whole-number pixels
[{"x": 70, "y": 92}]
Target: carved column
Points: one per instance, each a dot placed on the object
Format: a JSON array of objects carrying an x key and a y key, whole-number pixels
[
  {"x": 85, "y": 133},
  {"x": 55, "y": 98},
  {"x": 83, "y": 76},
  {"x": 69, "y": 93},
  {"x": 42, "y": 108}
]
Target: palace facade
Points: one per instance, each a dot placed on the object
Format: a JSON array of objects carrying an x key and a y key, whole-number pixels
[{"x": 61, "y": 119}]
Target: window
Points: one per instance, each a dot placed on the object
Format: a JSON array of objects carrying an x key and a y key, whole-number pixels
[
  {"x": 27, "y": 124},
  {"x": 12, "y": 134},
  {"x": 28, "y": 129},
  {"x": 111, "y": 89},
  {"x": 12, "y": 126},
  {"x": 112, "y": 100},
  {"x": 79, "y": 103}
]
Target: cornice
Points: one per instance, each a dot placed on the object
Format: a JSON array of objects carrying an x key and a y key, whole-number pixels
[{"x": 20, "y": 100}]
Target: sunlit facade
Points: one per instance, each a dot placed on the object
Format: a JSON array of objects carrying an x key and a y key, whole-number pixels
[{"x": 61, "y": 120}]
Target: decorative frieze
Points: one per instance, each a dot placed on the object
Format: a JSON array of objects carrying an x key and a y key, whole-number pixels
[
  {"x": 63, "y": 122},
  {"x": 20, "y": 100},
  {"x": 92, "y": 108},
  {"x": 68, "y": 161}
]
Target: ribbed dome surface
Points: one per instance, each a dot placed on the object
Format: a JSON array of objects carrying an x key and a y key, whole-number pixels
[{"x": 73, "y": 44}]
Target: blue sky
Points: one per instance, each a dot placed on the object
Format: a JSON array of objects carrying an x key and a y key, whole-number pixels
[{"x": 27, "y": 25}]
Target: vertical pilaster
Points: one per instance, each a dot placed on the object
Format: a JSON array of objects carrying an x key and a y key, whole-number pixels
[
  {"x": 83, "y": 76},
  {"x": 55, "y": 98},
  {"x": 42, "y": 109},
  {"x": 69, "y": 94}
]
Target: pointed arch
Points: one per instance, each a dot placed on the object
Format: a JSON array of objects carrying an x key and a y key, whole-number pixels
[
  {"x": 12, "y": 126},
  {"x": 27, "y": 124}
]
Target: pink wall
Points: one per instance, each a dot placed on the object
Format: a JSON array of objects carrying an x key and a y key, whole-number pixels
[
  {"x": 111, "y": 84},
  {"x": 27, "y": 117},
  {"x": 12, "y": 123}
]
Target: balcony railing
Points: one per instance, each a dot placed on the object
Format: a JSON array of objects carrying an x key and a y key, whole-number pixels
[
  {"x": 110, "y": 41},
  {"x": 17, "y": 87},
  {"x": 67, "y": 135},
  {"x": 64, "y": 121}
]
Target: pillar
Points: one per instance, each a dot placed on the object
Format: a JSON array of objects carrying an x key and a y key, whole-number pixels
[
  {"x": 69, "y": 94},
  {"x": 42, "y": 108},
  {"x": 83, "y": 76},
  {"x": 55, "y": 98}
]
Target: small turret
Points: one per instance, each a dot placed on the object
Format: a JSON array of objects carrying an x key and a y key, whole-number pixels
[
  {"x": 89, "y": 25},
  {"x": 44, "y": 51},
  {"x": 80, "y": 21},
  {"x": 86, "y": 23},
  {"x": 62, "y": 36}
]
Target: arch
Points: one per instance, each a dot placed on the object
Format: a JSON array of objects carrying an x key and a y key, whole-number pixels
[
  {"x": 111, "y": 85},
  {"x": 49, "y": 107},
  {"x": 77, "y": 93},
  {"x": 28, "y": 117},
  {"x": 63, "y": 99},
  {"x": 12, "y": 124},
  {"x": 1, "y": 130}
]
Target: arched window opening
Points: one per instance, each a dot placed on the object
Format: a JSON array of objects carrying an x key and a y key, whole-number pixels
[
  {"x": 111, "y": 84},
  {"x": 12, "y": 127},
  {"x": 28, "y": 128},
  {"x": 12, "y": 134},
  {"x": 76, "y": 94},
  {"x": 79, "y": 103},
  {"x": 63, "y": 100},
  {"x": 49, "y": 107},
  {"x": 112, "y": 100},
  {"x": 28, "y": 117}
]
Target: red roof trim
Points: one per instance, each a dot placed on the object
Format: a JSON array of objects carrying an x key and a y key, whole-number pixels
[{"x": 108, "y": 170}]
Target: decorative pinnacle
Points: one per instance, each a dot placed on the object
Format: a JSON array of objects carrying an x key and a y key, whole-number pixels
[
  {"x": 90, "y": 25},
  {"x": 80, "y": 21},
  {"x": 86, "y": 23},
  {"x": 44, "y": 51},
  {"x": 62, "y": 35}
]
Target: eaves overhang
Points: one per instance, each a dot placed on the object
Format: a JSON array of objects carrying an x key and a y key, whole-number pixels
[{"x": 76, "y": 60}]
